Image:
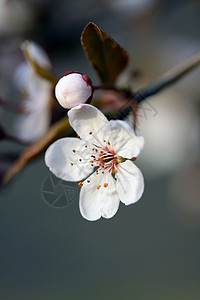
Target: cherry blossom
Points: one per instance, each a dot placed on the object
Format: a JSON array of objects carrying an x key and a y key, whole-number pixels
[{"x": 102, "y": 158}]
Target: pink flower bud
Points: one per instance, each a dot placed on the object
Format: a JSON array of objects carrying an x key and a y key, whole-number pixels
[{"x": 74, "y": 89}]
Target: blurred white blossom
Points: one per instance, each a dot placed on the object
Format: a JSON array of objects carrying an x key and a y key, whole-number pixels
[
  {"x": 35, "y": 95},
  {"x": 37, "y": 54}
]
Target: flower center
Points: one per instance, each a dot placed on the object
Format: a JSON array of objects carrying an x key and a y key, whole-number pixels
[{"x": 104, "y": 158}]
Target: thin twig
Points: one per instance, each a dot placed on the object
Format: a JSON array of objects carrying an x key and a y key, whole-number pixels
[
  {"x": 38, "y": 147},
  {"x": 163, "y": 82},
  {"x": 168, "y": 78},
  {"x": 61, "y": 126}
]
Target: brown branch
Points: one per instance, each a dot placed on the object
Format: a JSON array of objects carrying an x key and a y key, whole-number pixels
[
  {"x": 168, "y": 78},
  {"x": 62, "y": 125},
  {"x": 57, "y": 130},
  {"x": 162, "y": 83}
]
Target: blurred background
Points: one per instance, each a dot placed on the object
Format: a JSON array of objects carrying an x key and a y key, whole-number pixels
[{"x": 149, "y": 250}]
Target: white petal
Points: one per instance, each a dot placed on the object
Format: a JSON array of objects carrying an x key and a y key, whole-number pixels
[
  {"x": 31, "y": 126},
  {"x": 88, "y": 122},
  {"x": 34, "y": 90},
  {"x": 130, "y": 182},
  {"x": 21, "y": 76},
  {"x": 123, "y": 139},
  {"x": 39, "y": 91},
  {"x": 60, "y": 155},
  {"x": 37, "y": 54},
  {"x": 36, "y": 94},
  {"x": 95, "y": 203}
]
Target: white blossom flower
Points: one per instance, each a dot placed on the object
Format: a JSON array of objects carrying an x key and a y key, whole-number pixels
[
  {"x": 108, "y": 150},
  {"x": 36, "y": 95},
  {"x": 37, "y": 54},
  {"x": 73, "y": 89}
]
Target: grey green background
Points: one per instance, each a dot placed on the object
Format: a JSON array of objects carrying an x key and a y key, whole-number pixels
[{"x": 149, "y": 250}]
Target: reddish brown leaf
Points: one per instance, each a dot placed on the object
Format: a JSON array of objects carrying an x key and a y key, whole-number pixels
[{"x": 107, "y": 56}]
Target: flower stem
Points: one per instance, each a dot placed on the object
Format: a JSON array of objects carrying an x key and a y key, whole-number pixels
[
  {"x": 124, "y": 92},
  {"x": 61, "y": 126},
  {"x": 107, "y": 87}
]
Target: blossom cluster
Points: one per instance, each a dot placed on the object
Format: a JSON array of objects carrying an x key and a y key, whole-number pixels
[{"x": 101, "y": 159}]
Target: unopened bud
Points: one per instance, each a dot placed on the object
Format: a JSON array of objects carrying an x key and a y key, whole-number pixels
[{"x": 73, "y": 89}]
